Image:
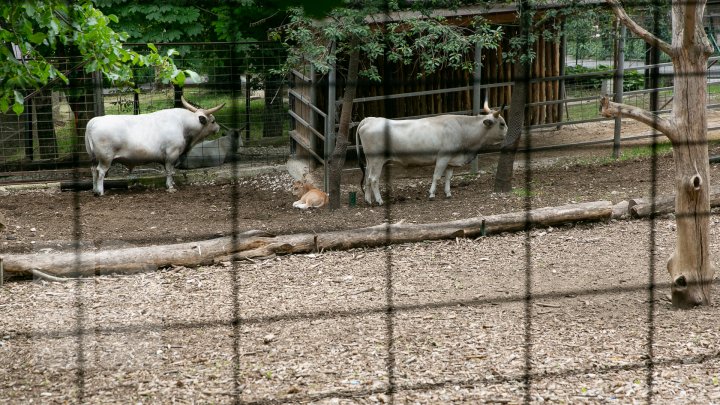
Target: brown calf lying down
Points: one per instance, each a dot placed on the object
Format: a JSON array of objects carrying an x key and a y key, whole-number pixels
[{"x": 310, "y": 196}]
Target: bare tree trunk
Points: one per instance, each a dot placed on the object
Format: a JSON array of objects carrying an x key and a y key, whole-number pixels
[
  {"x": 689, "y": 265},
  {"x": 516, "y": 124},
  {"x": 516, "y": 120},
  {"x": 336, "y": 162}
]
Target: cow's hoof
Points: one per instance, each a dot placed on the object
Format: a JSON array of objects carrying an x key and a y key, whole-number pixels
[
  {"x": 431, "y": 198},
  {"x": 447, "y": 197},
  {"x": 172, "y": 190}
]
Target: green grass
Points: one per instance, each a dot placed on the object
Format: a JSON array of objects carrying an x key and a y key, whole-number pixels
[
  {"x": 627, "y": 153},
  {"x": 661, "y": 149},
  {"x": 523, "y": 192}
]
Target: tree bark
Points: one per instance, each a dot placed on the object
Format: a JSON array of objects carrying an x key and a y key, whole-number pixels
[
  {"x": 336, "y": 162},
  {"x": 516, "y": 124},
  {"x": 516, "y": 120},
  {"x": 254, "y": 244}
]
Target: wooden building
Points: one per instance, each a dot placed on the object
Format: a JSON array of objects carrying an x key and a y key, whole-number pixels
[{"x": 403, "y": 94}]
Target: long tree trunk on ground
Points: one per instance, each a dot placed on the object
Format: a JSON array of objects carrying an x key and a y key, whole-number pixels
[
  {"x": 689, "y": 265},
  {"x": 516, "y": 120},
  {"x": 336, "y": 162}
]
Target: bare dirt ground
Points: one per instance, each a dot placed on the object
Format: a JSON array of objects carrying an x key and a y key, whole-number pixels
[{"x": 433, "y": 322}]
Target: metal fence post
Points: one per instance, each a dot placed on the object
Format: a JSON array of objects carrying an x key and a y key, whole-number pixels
[
  {"x": 618, "y": 84},
  {"x": 330, "y": 120},
  {"x": 477, "y": 78}
]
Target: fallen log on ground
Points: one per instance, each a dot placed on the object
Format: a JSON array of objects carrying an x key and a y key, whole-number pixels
[
  {"x": 663, "y": 204},
  {"x": 253, "y": 244}
]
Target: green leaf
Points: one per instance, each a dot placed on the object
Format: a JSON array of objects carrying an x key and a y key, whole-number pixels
[
  {"x": 152, "y": 46},
  {"x": 37, "y": 37},
  {"x": 18, "y": 108}
]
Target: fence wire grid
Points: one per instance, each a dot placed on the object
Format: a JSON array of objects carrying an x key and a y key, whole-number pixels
[{"x": 514, "y": 317}]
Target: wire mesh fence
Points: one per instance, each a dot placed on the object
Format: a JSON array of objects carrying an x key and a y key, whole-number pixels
[
  {"x": 561, "y": 313},
  {"x": 43, "y": 141}
]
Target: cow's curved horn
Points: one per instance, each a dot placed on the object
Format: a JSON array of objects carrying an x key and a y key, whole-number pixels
[
  {"x": 187, "y": 105},
  {"x": 486, "y": 108},
  {"x": 214, "y": 109}
]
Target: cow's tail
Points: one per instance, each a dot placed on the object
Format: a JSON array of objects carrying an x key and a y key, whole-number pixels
[
  {"x": 362, "y": 161},
  {"x": 89, "y": 147}
]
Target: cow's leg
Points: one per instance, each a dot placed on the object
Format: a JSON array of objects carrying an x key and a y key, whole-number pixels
[
  {"x": 367, "y": 188},
  {"x": 448, "y": 176},
  {"x": 100, "y": 170},
  {"x": 372, "y": 181},
  {"x": 94, "y": 171},
  {"x": 440, "y": 166},
  {"x": 374, "y": 169},
  {"x": 169, "y": 172}
]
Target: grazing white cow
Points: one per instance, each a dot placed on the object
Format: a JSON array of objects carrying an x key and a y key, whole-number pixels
[
  {"x": 447, "y": 141},
  {"x": 158, "y": 137}
]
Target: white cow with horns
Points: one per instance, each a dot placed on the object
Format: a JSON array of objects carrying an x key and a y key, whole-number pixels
[
  {"x": 159, "y": 137},
  {"x": 447, "y": 141}
]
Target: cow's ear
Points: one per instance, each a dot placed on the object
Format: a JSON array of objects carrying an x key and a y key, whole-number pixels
[
  {"x": 203, "y": 119},
  {"x": 488, "y": 123}
]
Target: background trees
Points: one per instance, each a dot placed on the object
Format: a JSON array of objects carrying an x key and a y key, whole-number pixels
[{"x": 33, "y": 32}]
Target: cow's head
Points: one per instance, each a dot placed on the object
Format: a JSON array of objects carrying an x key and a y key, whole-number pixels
[
  {"x": 494, "y": 125},
  {"x": 205, "y": 117}
]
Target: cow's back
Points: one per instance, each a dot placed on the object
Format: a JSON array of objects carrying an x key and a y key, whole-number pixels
[
  {"x": 137, "y": 138},
  {"x": 409, "y": 142}
]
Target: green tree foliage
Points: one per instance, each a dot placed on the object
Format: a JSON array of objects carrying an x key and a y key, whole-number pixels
[
  {"x": 421, "y": 37},
  {"x": 168, "y": 21},
  {"x": 33, "y": 32}
]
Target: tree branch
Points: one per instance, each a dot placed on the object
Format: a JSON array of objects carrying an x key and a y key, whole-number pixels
[
  {"x": 625, "y": 19},
  {"x": 611, "y": 109}
]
